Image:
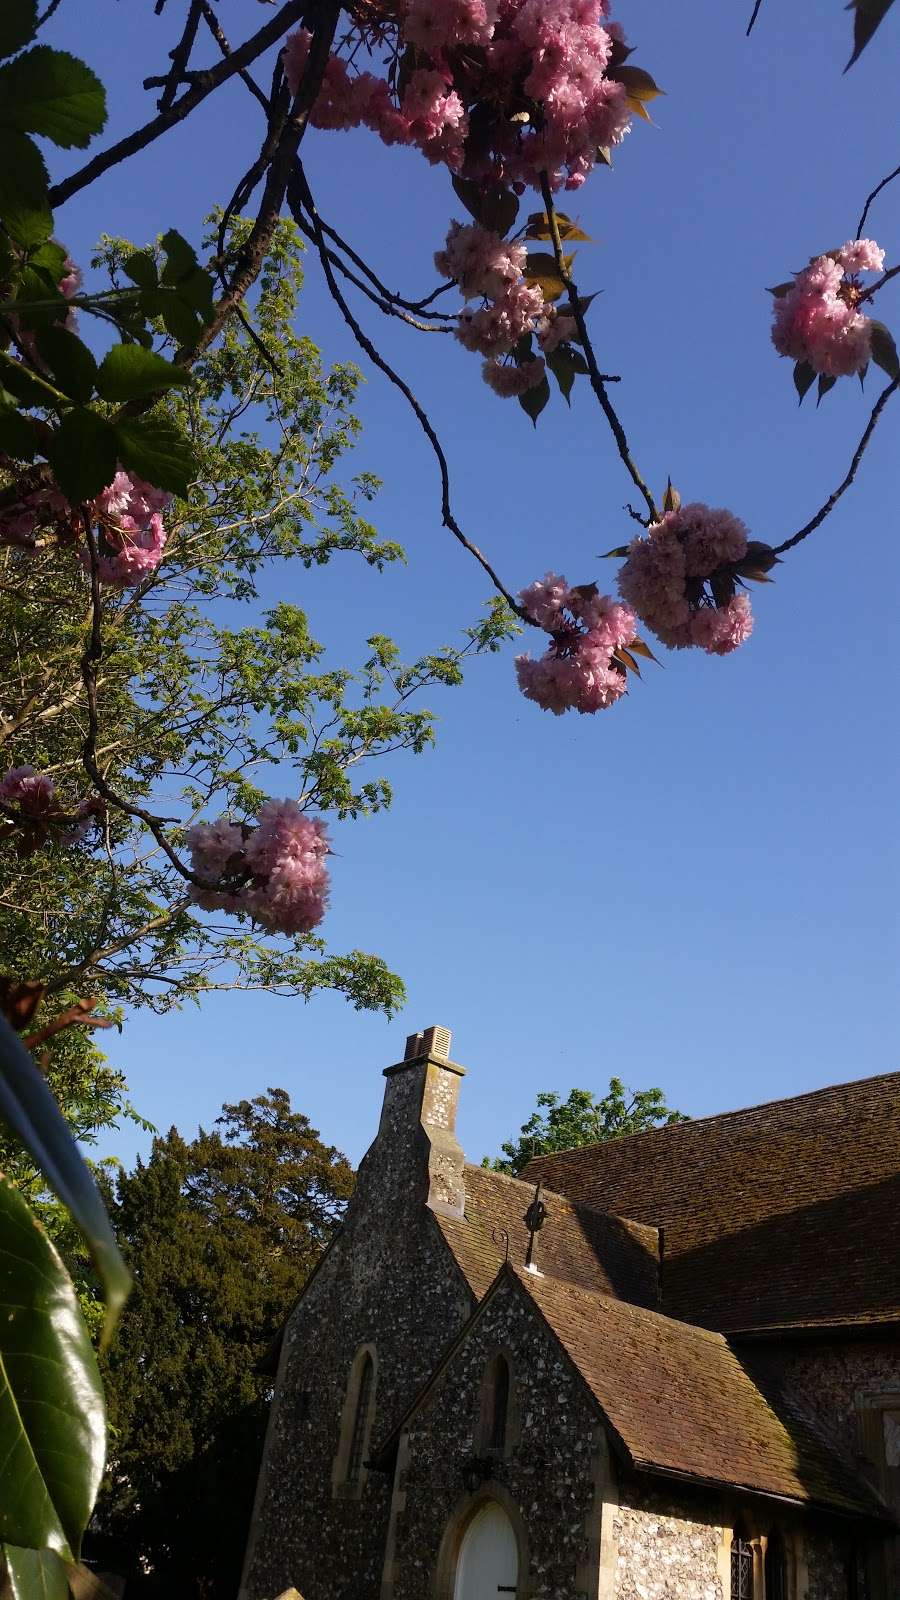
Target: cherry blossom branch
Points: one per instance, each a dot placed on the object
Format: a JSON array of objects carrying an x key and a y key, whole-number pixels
[
  {"x": 215, "y": 28},
  {"x": 596, "y": 376},
  {"x": 204, "y": 84},
  {"x": 826, "y": 509},
  {"x": 750, "y": 25},
  {"x": 181, "y": 55},
  {"x": 886, "y": 277},
  {"x": 300, "y": 200},
  {"x": 873, "y": 196},
  {"x": 390, "y": 306}
]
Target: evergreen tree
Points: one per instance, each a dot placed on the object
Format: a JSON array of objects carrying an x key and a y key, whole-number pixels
[{"x": 221, "y": 1233}]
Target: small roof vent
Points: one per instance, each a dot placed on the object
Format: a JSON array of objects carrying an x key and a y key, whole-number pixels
[{"x": 430, "y": 1042}]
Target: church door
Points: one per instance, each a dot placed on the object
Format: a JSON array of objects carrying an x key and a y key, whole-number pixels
[{"x": 488, "y": 1565}]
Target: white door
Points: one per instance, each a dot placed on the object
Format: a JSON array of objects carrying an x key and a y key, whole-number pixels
[{"x": 488, "y": 1565}]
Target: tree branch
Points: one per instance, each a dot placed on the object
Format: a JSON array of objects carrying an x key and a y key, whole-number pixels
[
  {"x": 595, "y": 374},
  {"x": 300, "y": 199},
  {"x": 873, "y": 196},
  {"x": 858, "y": 454}
]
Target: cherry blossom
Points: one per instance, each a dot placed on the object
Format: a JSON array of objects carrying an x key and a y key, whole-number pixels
[
  {"x": 579, "y": 670},
  {"x": 680, "y": 578},
  {"x": 817, "y": 320},
  {"x": 275, "y": 873}
]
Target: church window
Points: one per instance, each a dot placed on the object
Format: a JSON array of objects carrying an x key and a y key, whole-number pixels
[
  {"x": 496, "y": 1408},
  {"x": 741, "y": 1566},
  {"x": 360, "y": 1420}
]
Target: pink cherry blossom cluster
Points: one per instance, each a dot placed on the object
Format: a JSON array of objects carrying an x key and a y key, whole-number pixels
[
  {"x": 275, "y": 872},
  {"x": 499, "y": 90},
  {"x": 132, "y": 536},
  {"x": 578, "y": 671},
  {"x": 489, "y": 268},
  {"x": 818, "y": 321},
  {"x": 32, "y": 795},
  {"x": 680, "y": 579}
]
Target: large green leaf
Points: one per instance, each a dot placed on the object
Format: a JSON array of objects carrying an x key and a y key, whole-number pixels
[
  {"x": 50, "y": 92},
  {"x": 69, "y": 361},
  {"x": 18, "y": 21},
  {"x": 157, "y": 452},
  {"x": 35, "y": 1574},
  {"x": 127, "y": 372},
  {"x": 29, "y": 1109},
  {"x": 82, "y": 453},
  {"x": 52, "y": 1416},
  {"x": 24, "y": 206}
]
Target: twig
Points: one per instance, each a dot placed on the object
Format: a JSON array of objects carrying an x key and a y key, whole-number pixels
[
  {"x": 76, "y": 1015},
  {"x": 181, "y": 55},
  {"x": 206, "y": 82},
  {"x": 390, "y": 307},
  {"x": 300, "y": 199},
  {"x": 212, "y": 22},
  {"x": 885, "y": 278},
  {"x": 47, "y": 13},
  {"x": 858, "y": 454},
  {"x": 875, "y": 193},
  {"x": 756, "y": 10},
  {"x": 596, "y": 376}
]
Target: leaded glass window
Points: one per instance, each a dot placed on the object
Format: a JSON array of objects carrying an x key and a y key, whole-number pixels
[{"x": 360, "y": 1420}]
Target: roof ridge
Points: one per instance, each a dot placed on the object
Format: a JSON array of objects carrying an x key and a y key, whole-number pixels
[
  {"x": 722, "y": 1116},
  {"x": 557, "y": 1194}
]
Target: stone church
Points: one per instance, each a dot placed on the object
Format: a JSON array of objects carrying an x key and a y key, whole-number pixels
[{"x": 678, "y": 1379}]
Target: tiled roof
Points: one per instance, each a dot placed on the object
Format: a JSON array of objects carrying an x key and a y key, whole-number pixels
[
  {"x": 681, "y": 1402},
  {"x": 575, "y": 1243},
  {"x": 782, "y": 1215}
]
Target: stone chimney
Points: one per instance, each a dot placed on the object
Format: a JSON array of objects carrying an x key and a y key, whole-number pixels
[{"x": 416, "y": 1136}]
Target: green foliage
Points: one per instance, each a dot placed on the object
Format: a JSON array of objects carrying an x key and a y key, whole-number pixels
[
  {"x": 558, "y": 1124},
  {"x": 222, "y": 1233},
  {"x": 51, "y": 1402}
]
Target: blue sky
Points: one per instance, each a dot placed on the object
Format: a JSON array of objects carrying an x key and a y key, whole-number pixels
[{"x": 697, "y": 889}]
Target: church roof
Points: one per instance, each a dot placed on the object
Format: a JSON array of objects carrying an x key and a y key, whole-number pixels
[
  {"x": 577, "y": 1243},
  {"x": 775, "y": 1217}
]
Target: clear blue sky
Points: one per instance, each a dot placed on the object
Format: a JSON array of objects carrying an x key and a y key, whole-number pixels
[{"x": 697, "y": 889}]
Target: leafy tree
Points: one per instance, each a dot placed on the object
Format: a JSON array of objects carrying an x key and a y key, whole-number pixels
[
  {"x": 559, "y": 1124},
  {"x": 221, "y": 1233}
]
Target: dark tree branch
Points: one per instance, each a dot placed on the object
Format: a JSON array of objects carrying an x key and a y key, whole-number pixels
[
  {"x": 300, "y": 200},
  {"x": 390, "y": 307},
  {"x": 212, "y": 22},
  {"x": 885, "y": 278},
  {"x": 873, "y": 196},
  {"x": 756, "y": 10},
  {"x": 181, "y": 55},
  {"x": 858, "y": 454},
  {"x": 596, "y": 376},
  {"x": 204, "y": 85}
]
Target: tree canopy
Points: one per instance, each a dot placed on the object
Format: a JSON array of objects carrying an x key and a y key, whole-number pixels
[{"x": 583, "y": 1118}]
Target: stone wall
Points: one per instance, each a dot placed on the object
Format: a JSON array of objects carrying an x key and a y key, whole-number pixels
[
  {"x": 547, "y": 1478},
  {"x": 389, "y": 1280},
  {"x": 666, "y": 1547}
]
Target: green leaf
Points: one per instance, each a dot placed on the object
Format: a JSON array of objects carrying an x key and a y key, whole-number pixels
[
  {"x": 50, "y": 92},
  {"x": 35, "y": 289},
  {"x": 620, "y": 550},
  {"x": 804, "y": 378},
  {"x": 884, "y": 350},
  {"x": 29, "y": 1109},
  {"x": 534, "y": 400},
  {"x": 141, "y": 269},
  {"x": 69, "y": 362},
  {"x": 154, "y": 449},
  {"x": 493, "y": 205},
  {"x": 539, "y": 227},
  {"x": 562, "y": 364},
  {"x": 638, "y": 84},
  {"x": 869, "y": 15},
  {"x": 541, "y": 268},
  {"x": 198, "y": 290},
  {"x": 35, "y": 1574},
  {"x": 82, "y": 454},
  {"x": 51, "y": 258},
  {"x": 825, "y": 383},
  {"x": 52, "y": 1421},
  {"x": 24, "y": 206},
  {"x": 129, "y": 373},
  {"x": 181, "y": 259},
  {"x": 18, "y": 24},
  {"x": 178, "y": 318},
  {"x": 17, "y": 437}
]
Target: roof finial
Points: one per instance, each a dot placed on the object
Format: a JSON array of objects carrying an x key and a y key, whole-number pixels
[{"x": 534, "y": 1220}]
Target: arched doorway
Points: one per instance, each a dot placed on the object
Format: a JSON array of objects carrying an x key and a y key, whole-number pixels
[{"x": 488, "y": 1562}]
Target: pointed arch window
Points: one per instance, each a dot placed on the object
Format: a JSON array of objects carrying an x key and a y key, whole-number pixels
[
  {"x": 349, "y": 1468},
  {"x": 497, "y": 1409},
  {"x": 741, "y": 1565},
  {"x": 361, "y": 1420}
]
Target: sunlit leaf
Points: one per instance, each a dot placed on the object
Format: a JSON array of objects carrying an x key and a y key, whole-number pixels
[
  {"x": 641, "y": 649},
  {"x": 50, "y": 92},
  {"x": 620, "y": 550},
  {"x": 539, "y": 227},
  {"x": 35, "y": 1574},
  {"x": 627, "y": 659},
  {"x": 884, "y": 350},
  {"x": 541, "y": 269},
  {"x": 671, "y": 499},
  {"x": 154, "y": 449},
  {"x": 129, "y": 373}
]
